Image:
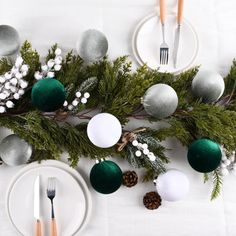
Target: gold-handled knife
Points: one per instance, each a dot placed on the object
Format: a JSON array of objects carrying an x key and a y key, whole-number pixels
[
  {"x": 38, "y": 231},
  {"x": 177, "y": 32}
]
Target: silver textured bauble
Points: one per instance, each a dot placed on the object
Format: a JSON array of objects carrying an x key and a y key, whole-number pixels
[
  {"x": 9, "y": 40},
  {"x": 15, "y": 151},
  {"x": 208, "y": 85},
  {"x": 92, "y": 46},
  {"x": 160, "y": 101}
]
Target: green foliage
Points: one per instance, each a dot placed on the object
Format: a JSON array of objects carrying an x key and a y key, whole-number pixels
[
  {"x": 217, "y": 183},
  {"x": 117, "y": 89}
]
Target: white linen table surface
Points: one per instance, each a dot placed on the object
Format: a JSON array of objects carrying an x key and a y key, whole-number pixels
[{"x": 44, "y": 22}]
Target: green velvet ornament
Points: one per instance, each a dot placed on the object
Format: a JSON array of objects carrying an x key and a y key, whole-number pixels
[
  {"x": 48, "y": 94},
  {"x": 106, "y": 177},
  {"x": 204, "y": 155}
]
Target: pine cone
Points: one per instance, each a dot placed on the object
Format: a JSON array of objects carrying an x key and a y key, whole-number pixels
[
  {"x": 130, "y": 178},
  {"x": 152, "y": 200}
]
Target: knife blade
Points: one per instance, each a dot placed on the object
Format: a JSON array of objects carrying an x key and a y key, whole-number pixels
[
  {"x": 177, "y": 32},
  {"x": 176, "y": 45},
  {"x": 37, "y": 206}
]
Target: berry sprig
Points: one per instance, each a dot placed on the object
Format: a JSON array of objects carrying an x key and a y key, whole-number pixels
[
  {"x": 48, "y": 70},
  {"x": 12, "y": 84}
]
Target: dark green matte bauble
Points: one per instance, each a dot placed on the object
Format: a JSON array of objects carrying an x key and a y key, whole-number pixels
[
  {"x": 204, "y": 155},
  {"x": 106, "y": 177},
  {"x": 48, "y": 94}
]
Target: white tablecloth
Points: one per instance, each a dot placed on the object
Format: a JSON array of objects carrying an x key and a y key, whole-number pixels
[{"x": 45, "y": 22}]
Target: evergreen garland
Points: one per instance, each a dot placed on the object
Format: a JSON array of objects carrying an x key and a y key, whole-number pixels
[{"x": 117, "y": 89}]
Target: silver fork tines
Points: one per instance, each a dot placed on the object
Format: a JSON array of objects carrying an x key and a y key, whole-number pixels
[
  {"x": 51, "y": 191},
  {"x": 164, "y": 48}
]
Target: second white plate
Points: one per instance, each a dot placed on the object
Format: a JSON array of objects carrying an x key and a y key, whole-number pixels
[
  {"x": 72, "y": 201},
  {"x": 147, "y": 38}
]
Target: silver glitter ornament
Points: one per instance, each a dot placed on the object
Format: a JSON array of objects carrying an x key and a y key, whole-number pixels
[
  {"x": 9, "y": 40},
  {"x": 160, "y": 101},
  {"x": 208, "y": 85},
  {"x": 92, "y": 46},
  {"x": 15, "y": 151}
]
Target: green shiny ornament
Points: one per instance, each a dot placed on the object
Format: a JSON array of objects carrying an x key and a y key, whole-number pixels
[
  {"x": 106, "y": 177},
  {"x": 48, "y": 95},
  {"x": 204, "y": 155}
]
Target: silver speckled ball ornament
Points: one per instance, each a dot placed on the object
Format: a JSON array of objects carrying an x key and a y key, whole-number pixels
[
  {"x": 92, "y": 45},
  {"x": 15, "y": 151},
  {"x": 208, "y": 85},
  {"x": 9, "y": 40},
  {"x": 160, "y": 101}
]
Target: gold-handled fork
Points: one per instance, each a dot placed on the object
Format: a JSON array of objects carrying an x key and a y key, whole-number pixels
[
  {"x": 164, "y": 48},
  {"x": 51, "y": 193}
]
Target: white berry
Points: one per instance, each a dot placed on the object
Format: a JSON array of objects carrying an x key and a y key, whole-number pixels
[
  {"x": 9, "y": 104},
  {"x": 24, "y": 68},
  {"x": 18, "y": 75},
  {"x": 144, "y": 146},
  {"x": 2, "y": 79},
  {"x": 7, "y": 85},
  {"x": 50, "y": 63},
  {"x": 44, "y": 68},
  {"x": 50, "y": 74},
  {"x": 23, "y": 84},
  {"x": 224, "y": 171},
  {"x": 70, "y": 107},
  {"x": 86, "y": 95},
  {"x": 78, "y": 94},
  {"x": 65, "y": 104},
  {"x": 57, "y": 67},
  {"x": 14, "y": 81},
  {"x": 135, "y": 143},
  {"x": 227, "y": 162},
  {"x": 13, "y": 89},
  {"x": 19, "y": 61},
  {"x": 75, "y": 103},
  {"x": 21, "y": 91},
  {"x": 8, "y": 75},
  {"x": 151, "y": 156},
  {"x": 138, "y": 153},
  {"x": 3, "y": 96},
  {"x": 58, "y": 51},
  {"x": 145, "y": 151},
  {"x": 37, "y": 75},
  {"x": 16, "y": 96},
  {"x": 83, "y": 100},
  {"x": 2, "y": 109},
  {"x": 58, "y": 60}
]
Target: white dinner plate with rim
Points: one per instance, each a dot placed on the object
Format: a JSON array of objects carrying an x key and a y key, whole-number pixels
[
  {"x": 72, "y": 202},
  {"x": 147, "y": 38}
]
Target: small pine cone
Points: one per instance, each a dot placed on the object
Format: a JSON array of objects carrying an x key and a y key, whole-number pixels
[
  {"x": 130, "y": 178},
  {"x": 152, "y": 200}
]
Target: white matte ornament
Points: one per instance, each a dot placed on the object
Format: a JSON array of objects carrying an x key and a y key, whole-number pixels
[
  {"x": 104, "y": 130},
  {"x": 160, "y": 101},
  {"x": 172, "y": 185},
  {"x": 15, "y": 151},
  {"x": 208, "y": 85},
  {"x": 92, "y": 46}
]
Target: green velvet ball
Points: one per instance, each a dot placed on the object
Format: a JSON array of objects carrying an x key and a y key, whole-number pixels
[
  {"x": 204, "y": 155},
  {"x": 48, "y": 95},
  {"x": 106, "y": 177}
]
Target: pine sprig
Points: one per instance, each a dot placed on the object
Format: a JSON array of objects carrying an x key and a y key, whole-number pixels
[{"x": 217, "y": 184}]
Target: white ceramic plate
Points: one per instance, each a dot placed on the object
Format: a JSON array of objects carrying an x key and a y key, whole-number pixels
[
  {"x": 147, "y": 38},
  {"x": 72, "y": 202}
]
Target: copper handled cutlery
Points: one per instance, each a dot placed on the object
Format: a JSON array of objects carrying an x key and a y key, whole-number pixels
[
  {"x": 177, "y": 32},
  {"x": 38, "y": 231},
  {"x": 51, "y": 193},
  {"x": 164, "y": 48}
]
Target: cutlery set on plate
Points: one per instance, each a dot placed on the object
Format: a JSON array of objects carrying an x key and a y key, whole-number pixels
[
  {"x": 164, "y": 48},
  {"x": 51, "y": 193}
]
